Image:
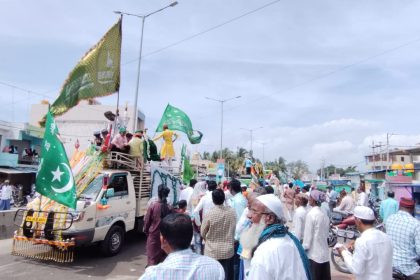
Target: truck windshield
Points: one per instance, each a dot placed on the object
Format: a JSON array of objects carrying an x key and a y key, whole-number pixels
[{"x": 93, "y": 189}]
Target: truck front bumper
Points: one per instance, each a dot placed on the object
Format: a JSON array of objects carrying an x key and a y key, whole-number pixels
[{"x": 81, "y": 237}]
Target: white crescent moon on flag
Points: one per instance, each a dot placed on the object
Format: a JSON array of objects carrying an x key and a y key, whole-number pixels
[{"x": 69, "y": 185}]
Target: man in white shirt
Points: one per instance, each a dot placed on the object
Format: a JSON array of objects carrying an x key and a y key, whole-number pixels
[
  {"x": 5, "y": 196},
  {"x": 276, "y": 253},
  {"x": 372, "y": 256},
  {"x": 315, "y": 238},
  {"x": 301, "y": 201},
  {"x": 186, "y": 194},
  {"x": 205, "y": 204},
  {"x": 181, "y": 263},
  {"x": 362, "y": 198}
]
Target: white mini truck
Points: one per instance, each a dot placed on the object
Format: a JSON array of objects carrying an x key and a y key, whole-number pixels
[{"x": 114, "y": 203}]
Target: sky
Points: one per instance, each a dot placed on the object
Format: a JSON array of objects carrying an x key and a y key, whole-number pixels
[{"x": 323, "y": 78}]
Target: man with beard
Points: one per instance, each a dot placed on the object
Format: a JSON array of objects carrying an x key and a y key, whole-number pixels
[
  {"x": 242, "y": 225},
  {"x": 276, "y": 253}
]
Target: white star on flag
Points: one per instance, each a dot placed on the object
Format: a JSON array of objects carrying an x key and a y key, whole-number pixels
[
  {"x": 47, "y": 145},
  {"x": 57, "y": 174}
]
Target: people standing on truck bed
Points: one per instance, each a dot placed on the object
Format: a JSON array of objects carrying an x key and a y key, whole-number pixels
[
  {"x": 155, "y": 213},
  {"x": 119, "y": 143},
  {"x": 136, "y": 147},
  {"x": 167, "y": 151}
]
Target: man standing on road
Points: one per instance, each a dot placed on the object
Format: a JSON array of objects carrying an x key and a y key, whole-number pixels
[
  {"x": 315, "y": 238},
  {"x": 372, "y": 257},
  {"x": 5, "y": 196},
  {"x": 332, "y": 196},
  {"x": 388, "y": 206},
  {"x": 218, "y": 230},
  {"x": 404, "y": 231},
  {"x": 238, "y": 202},
  {"x": 289, "y": 195},
  {"x": 362, "y": 198},
  {"x": 301, "y": 201},
  {"x": 175, "y": 234},
  {"x": 187, "y": 193}
]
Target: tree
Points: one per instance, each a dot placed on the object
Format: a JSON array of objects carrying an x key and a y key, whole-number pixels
[
  {"x": 331, "y": 169},
  {"x": 206, "y": 155},
  {"x": 278, "y": 166},
  {"x": 297, "y": 169}
]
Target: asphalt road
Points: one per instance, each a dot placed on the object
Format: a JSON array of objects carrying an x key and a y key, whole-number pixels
[{"x": 88, "y": 264}]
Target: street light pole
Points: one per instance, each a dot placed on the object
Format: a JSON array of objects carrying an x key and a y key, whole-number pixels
[
  {"x": 143, "y": 19},
  {"x": 222, "y": 102},
  {"x": 251, "y": 132}
]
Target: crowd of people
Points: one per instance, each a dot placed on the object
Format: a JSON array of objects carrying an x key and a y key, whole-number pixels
[{"x": 226, "y": 231}]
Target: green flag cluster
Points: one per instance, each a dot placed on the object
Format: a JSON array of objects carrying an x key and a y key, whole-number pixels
[
  {"x": 178, "y": 120},
  {"x": 97, "y": 74},
  {"x": 54, "y": 178},
  {"x": 187, "y": 171}
]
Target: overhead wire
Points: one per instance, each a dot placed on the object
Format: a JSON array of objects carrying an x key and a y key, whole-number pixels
[{"x": 217, "y": 26}]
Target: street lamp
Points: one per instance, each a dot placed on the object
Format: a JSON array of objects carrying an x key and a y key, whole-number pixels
[
  {"x": 251, "y": 132},
  {"x": 143, "y": 18},
  {"x": 222, "y": 101},
  {"x": 263, "y": 153}
]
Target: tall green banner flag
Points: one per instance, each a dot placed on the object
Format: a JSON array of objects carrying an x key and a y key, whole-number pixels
[
  {"x": 187, "y": 171},
  {"x": 178, "y": 120},
  {"x": 97, "y": 74},
  {"x": 55, "y": 179}
]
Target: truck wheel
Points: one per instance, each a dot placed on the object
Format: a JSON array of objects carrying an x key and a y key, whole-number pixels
[{"x": 113, "y": 241}]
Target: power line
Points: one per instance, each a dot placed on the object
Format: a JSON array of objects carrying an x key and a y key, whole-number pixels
[
  {"x": 24, "y": 89},
  {"x": 330, "y": 73},
  {"x": 204, "y": 31}
]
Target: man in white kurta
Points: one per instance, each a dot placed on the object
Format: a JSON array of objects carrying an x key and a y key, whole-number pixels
[
  {"x": 315, "y": 238},
  {"x": 300, "y": 215},
  {"x": 372, "y": 257},
  {"x": 277, "y": 258},
  {"x": 187, "y": 193}
]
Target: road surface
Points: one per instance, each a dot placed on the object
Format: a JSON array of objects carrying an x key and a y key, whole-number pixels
[{"x": 88, "y": 264}]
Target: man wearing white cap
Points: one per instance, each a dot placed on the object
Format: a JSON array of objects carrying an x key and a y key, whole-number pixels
[
  {"x": 372, "y": 256},
  {"x": 276, "y": 253},
  {"x": 315, "y": 237}
]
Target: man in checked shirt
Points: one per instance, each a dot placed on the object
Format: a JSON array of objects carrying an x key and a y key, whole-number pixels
[
  {"x": 218, "y": 231},
  {"x": 404, "y": 231}
]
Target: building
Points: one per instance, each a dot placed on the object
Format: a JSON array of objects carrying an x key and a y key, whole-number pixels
[
  {"x": 408, "y": 158},
  {"x": 20, "y": 145},
  {"x": 79, "y": 123}
]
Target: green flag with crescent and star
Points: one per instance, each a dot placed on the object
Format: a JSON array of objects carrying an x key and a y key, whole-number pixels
[
  {"x": 54, "y": 178},
  {"x": 178, "y": 120},
  {"x": 97, "y": 73}
]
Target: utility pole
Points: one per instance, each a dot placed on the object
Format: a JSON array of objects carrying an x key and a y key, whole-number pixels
[
  {"x": 322, "y": 168},
  {"x": 222, "y": 102},
  {"x": 143, "y": 19},
  {"x": 373, "y": 154}
]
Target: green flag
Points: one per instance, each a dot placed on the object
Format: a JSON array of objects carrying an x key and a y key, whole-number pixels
[
  {"x": 97, "y": 74},
  {"x": 178, "y": 120},
  {"x": 54, "y": 178},
  {"x": 187, "y": 171}
]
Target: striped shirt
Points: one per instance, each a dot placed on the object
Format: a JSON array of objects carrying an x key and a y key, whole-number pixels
[
  {"x": 185, "y": 265},
  {"x": 404, "y": 231}
]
